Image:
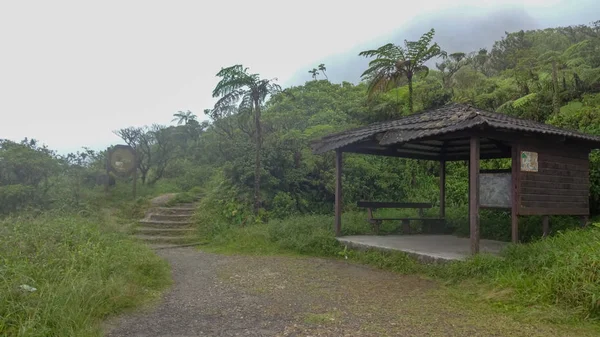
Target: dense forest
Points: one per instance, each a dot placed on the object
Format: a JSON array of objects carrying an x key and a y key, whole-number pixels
[{"x": 253, "y": 155}]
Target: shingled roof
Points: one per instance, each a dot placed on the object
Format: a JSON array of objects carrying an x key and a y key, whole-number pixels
[{"x": 437, "y": 122}]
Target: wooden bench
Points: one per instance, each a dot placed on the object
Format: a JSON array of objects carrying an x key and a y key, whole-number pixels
[{"x": 371, "y": 206}]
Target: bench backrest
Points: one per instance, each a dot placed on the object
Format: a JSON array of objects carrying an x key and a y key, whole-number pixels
[{"x": 377, "y": 204}]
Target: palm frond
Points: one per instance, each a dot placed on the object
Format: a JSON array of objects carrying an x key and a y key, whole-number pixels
[
  {"x": 245, "y": 105},
  {"x": 229, "y": 99},
  {"x": 379, "y": 65},
  {"x": 232, "y": 78}
]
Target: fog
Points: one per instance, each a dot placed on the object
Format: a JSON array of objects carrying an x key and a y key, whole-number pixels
[{"x": 71, "y": 72}]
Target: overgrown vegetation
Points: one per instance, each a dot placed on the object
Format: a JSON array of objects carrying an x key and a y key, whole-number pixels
[{"x": 61, "y": 273}]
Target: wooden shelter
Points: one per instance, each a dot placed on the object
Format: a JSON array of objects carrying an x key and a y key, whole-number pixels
[{"x": 550, "y": 166}]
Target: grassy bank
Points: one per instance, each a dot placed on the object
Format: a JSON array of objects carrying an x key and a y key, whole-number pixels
[
  {"x": 561, "y": 272},
  {"x": 82, "y": 268}
]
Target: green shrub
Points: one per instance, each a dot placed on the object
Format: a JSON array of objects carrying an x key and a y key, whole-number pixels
[
  {"x": 182, "y": 198},
  {"x": 309, "y": 234},
  {"x": 283, "y": 205},
  {"x": 82, "y": 271}
]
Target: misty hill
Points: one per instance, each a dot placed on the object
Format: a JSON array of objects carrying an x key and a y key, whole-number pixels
[{"x": 463, "y": 30}]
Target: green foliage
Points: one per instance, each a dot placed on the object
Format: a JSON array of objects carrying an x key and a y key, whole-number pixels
[
  {"x": 82, "y": 269},
  {"x": 561, "y": 270},
  {"x": 392, "y": 63},
  {"x": 244, "y": 93},
  {"x": 26, "y": 170},
  {"x": 183, "y": 198}
]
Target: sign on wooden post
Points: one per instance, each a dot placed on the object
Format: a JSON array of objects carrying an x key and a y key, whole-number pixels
[{"x": 122, "y": 160}]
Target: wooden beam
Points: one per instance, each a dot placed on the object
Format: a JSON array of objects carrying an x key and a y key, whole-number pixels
[
  {"x": 474, "y": 194},
  {"x": 385, "y": 204},
  {"x": 545, "y": 226},
  {"x": 392, "y": 153},
  {"x": 454, "y": 149},
  {"x": 421, "y": 147},
  {"x": 442, "y": 189},
  {"x": 338, "y": 192},
  {"x": 496, "y": 171},
  {"x": 417, "y": 152},
  {"x": 514, "y": 212},
  {"x": 553, "y": 211},
  {"x": 500, "y": 145},
  {"x": 432, "y": 142},
  {"x": 465, "y": 156}
]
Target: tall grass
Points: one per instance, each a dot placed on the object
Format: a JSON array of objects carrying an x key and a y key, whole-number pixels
[
  {"x": 83, "y": 271},
  {"x": 561, "y": 270}
]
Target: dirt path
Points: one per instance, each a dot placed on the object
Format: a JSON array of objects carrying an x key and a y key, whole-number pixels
[{"x": 216, "y": 295}]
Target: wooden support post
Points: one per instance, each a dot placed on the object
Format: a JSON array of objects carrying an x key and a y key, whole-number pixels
[
  {"x": 514, "y": 215},
  {"x": 474, "y": 194},
  {"x": 442, "y": 189},
  {"x": 545, "y": 225},
  {"x": 338, "y": 192}
]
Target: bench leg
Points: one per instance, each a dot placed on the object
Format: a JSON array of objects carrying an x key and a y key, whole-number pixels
[
  {"x": 375, "y": 225},
  {"x": 405, "y": 227}
]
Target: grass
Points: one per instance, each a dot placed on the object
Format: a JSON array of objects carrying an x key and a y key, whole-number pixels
[
  {"x": 563, "y": 270},
  {"x": 559, "y": 276},
  {"x": 323, "y": 318},
  {"x": 182, "y": 198},
  {"x": 83, "y": 268}
]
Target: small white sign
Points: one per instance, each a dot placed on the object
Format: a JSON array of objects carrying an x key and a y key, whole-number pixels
[{"x": 529, "y": 161}]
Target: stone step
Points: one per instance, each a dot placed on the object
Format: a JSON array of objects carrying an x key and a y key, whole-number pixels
[
  {"x": 165, "y": 223},
  {"x": 170, "y": 217},
  {"x": 172, "y": 232},
  {"x": 156, "y": 239},
  {"x": 176, "y": 210},
  {"x": 186, "y": 205}
]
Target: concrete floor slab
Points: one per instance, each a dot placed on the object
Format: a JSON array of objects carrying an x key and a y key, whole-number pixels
[{"x": 429, "y": 248}]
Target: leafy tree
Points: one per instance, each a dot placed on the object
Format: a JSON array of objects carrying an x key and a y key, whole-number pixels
[
  {"x": 162, "y": 149},
  {"x": 141, "y": 141},
  {"x": 250, "y": 91},
  {"x": 393, "y": 63},
  {"x": 480, "y": 61},
  {"x": 450, "y": 66},
  {"x": 554, "y": 59},
  {"x": 314, "y": 73},
  {"x": 184, "y": 117},
  {"x": 322, "y": 69},
  {"x": 26, "y": 172}
]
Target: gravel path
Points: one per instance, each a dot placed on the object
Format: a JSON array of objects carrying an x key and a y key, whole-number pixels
[{"x": 218, "y": 295}]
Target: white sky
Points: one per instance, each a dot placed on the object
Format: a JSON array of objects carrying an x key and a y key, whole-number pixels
[{"x": 71, "y": 72}]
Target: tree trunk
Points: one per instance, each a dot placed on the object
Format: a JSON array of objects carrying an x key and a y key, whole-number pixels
[
  {"x": 555, "y": 96},
  {"x": 144, "y": 175},
  {"x": 257, "y": 158},
  {"x": 410, "y": 94}
]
